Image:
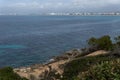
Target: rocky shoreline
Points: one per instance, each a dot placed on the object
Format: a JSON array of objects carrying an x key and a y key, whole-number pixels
[
  {"x": 56, "y": 65},
  {"x": 75, "y": 64}
]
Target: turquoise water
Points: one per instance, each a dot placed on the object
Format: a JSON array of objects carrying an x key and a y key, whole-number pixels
[
  {"x": 27, "y": 40},
  {"x": 12, "y": 47},
  {"x": 2, "y": 51}
]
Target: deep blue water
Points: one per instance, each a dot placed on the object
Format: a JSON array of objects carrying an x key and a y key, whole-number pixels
[{"x": 27, "y": 40}]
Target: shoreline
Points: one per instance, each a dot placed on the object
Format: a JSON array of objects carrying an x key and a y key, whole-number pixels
[
  {"x": 54, "y": 64},
  {"x": 53, "y": 59}
]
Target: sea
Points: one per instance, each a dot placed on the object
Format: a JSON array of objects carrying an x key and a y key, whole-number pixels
[{"x": 29, "y": 40}]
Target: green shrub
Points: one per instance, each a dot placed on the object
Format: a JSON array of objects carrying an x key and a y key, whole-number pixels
[
  {"x": 108, "y": 70},
  {"x": 73, "y": 68},
  {"x": 7, "y": 73},
  {"x": 102, "y": 43},
  {"x": 117, "y": 40}
]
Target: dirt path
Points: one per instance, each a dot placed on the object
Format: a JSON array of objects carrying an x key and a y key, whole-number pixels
[{"x": 100, "y": 52}]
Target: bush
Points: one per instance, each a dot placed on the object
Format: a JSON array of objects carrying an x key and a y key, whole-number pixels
[
  {"x": 102, "y": 43},
  {"x": 7, "y": 73},
  {"x": 73, "y": 68},
  {"x": 117, "y": 40},
  {"x": 108, "y": 70}
]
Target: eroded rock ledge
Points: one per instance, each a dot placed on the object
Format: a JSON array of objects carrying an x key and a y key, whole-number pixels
[{"x": 55, "y": 68}]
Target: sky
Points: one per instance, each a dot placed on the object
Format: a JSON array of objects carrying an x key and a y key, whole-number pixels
[{"x": 47, "y": 6}]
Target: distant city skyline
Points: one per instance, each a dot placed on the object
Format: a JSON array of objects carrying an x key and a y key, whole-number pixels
[{"x": 59, "y": 6}]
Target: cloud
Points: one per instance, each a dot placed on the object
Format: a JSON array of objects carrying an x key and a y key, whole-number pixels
[
  {"x": 95, "y": 3},
  {"x": 38, "y": 6},
  {"x": 35, "y": 4}
]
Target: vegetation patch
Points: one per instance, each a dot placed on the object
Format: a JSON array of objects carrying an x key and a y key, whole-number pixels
[
  {"x": 106, "y": 70},
  {"x": 7, "y": 73},
  {"x": 74, "y": 67}
]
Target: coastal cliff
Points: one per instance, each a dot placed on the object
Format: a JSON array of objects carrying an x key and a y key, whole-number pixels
[
  {"x": 99, "y": 61},
  {"x": 76, "y": 63},
  {"x": 53, "y": 69}
]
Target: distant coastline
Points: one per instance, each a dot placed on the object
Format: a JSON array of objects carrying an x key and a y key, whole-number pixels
[{"x": 67, "y": 14}]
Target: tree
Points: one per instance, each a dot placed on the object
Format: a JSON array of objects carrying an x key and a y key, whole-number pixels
[
  {"x": 92, "y": 41},
  {"x": 117, "y": 40},
  {"x": 102, "y": 43}
]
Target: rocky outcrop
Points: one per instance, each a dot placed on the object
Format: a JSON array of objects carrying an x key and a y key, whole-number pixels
[
  {"x": 49, "y": 71},
  {"x": 43, "y": 71},
  {"x": 55, "y": 68}
]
